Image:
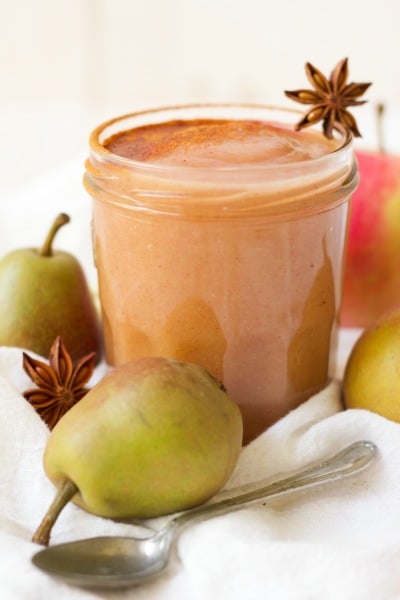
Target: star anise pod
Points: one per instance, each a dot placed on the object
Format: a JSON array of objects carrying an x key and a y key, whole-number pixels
[
  {"x": 60, "y": 383},
  {"x": 330, "y": 99}
]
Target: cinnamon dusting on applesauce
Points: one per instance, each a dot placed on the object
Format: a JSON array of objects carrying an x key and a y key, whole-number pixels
[{"x": 207, "y": 142}]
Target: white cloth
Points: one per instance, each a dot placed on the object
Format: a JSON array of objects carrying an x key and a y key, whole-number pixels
[{"x": 338, "y": 541}]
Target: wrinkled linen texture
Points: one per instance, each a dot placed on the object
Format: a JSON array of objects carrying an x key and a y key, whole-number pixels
[{"x": 340, "y": 540}]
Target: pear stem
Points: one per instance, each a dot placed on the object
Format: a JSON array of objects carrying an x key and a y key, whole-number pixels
[
  {"x": 380, "y": 109},
  {"x": 59, "y": 221},
  {"x": 64, "y": 494}
]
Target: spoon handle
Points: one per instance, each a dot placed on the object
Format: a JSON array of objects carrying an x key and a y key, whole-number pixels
[{"x": 351, "y": 460}]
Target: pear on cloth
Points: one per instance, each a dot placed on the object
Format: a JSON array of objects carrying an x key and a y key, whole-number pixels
[
  {"x": 44, "y": 294},
  {"x": 372, "y": 375},
  {"x": 154, "y": 436}
]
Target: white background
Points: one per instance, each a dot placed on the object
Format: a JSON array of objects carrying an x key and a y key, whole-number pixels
[{"x": 66, "y": 65}]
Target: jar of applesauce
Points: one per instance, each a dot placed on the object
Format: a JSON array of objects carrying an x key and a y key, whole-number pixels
[{"x": 219, "y": 236}]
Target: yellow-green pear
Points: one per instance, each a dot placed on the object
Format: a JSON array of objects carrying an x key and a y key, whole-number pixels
[
  {"x": 372, "y": 375},
  {"x": 44, "y": 294},
  {"x": 154, "y": 436}
]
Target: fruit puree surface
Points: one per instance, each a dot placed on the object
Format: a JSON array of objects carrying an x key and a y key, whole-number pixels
[
  {"x": 218, "y": 143},
  {"x": 253, "y": 300}
]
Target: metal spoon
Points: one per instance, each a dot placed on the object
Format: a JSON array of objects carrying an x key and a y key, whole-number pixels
[{"x": 117, "y": 562}]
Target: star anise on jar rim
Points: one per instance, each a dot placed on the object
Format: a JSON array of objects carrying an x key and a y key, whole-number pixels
[
  {"x": 330, "y": 99},
  {"x": 60, "y": 383}
]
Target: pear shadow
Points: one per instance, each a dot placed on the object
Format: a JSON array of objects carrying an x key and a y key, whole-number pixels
[
  {"x": 134, "y": 343},
  {"x": 309, "y": 350},
  {"x": 193, "y": 333}
]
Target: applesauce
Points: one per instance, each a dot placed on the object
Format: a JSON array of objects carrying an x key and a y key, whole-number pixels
[{"x": 218, "y": 235}]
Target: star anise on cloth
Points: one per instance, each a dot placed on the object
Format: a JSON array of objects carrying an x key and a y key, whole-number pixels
[
  {"x": 60, "y": 384},
  {"x": 330, "y": 99}
]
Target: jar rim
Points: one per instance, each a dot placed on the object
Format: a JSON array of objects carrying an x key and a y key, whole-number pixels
[
  {"x": 310, "y": 185},
  {"x": 100, "y": 152}
]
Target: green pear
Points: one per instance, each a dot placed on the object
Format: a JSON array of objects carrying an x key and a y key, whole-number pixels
[
  {"x": 371, "y": 379},
  {"x": 154, "y": 436},
  {"x": 44, "y": 294}
]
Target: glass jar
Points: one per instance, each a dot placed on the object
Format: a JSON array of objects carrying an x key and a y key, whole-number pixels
[{"x": 237, "y": 268}]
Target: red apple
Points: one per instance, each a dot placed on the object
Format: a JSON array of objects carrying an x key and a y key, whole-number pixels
[{"x": 372, "y": 271}]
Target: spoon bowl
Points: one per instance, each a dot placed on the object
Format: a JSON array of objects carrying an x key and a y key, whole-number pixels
[
  {"x": 105, "y": 562},
  {"x": 118, "y": 562}
]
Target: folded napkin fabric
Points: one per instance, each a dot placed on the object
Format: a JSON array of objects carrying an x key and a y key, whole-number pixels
[{"x": 340, "y": 540}]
